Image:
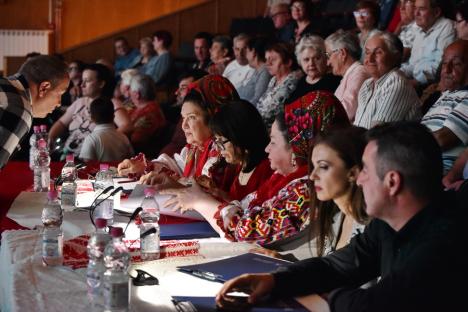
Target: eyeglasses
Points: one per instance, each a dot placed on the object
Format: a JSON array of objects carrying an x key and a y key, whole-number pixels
[
  {"x": 362, "y": 14},
  {"x": 220, "y": 144},
  {"x": 328, "y": 55}
]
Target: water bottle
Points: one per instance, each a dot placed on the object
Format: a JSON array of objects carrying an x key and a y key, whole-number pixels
[
  {"x": 116, "y": 261},
  {"x": 95, "y": 272},
  {"x": 33, "y": 146},
  {"x": 43, "y": 133},
  {"x": 41, "y": 167},
  {"x": 149, "y": 227},
  {"x": 69, "y": 176},
  {"x": 52, "y": 235},
  {"x": 105, "y": 204}
]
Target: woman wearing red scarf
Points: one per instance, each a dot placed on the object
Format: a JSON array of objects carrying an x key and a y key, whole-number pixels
[
  {"x": 204, "y": 98},
  {"x": 280, "y": 207}
]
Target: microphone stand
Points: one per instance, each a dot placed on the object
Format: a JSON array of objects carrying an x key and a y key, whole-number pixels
[{"x": 91, "y": 211}]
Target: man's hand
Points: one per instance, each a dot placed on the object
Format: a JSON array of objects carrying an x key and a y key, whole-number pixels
[{"x": 130, "y": 166}]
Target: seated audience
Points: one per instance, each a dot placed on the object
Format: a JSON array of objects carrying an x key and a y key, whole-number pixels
[
  {"x": 147, "y": 118},
  {"x": 97, "y": 82},
  {"x": 461, "y": 20},
  {"x": 125, "y": 56},
  {"x": 104, "y": 143},
  {"x": 147, "y": 52},
  {"x": 271, "y": 3},
  {"x": 75, "y": 71},
  {"x": 220, "y": 54},
  {"x": 201, "y": 48},
  {"x": 435, "y": 33},
  {"x": 448, "y": 117},
  {"x": 310, "y": 53},
  {"x": 284, "y": 26},
  {"x": 124, "y": 89},
  {"x": 301, "y": 13},
  {"x": 280, "y": 207},
  {"x": 366, "y": 15},
  {"x": 459, "y": 172},
  {"x": 407, "y": 29},
  {"x": 252, "y": 89},
  {"x": 387, "y": 95},
  {"x": 158, "y": 67},
  {"x": 343, "y": 52},
  {"x": 412, "y": 245},
  {"x": 238, "y": 71},
  {"x": 281, "y": 65}
]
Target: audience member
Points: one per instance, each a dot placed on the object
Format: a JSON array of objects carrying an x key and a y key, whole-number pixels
[
  {"x": 281, "y": 17},
  {"x": 201, "y": 47},
  {"x": 310, "y": 53},
  {"x": 104, "y": 143},
  {"x": 75, "y": 71},
  {"x": 387, "y": 95},
  {"x": 435, "y": 33},
  {"x": 343, "y": 52},
  {"x": 461, "y": 20},
  {"x": 238, "y": 71},
  {"x": 220, "y": 54},
  {"x": 402, "y": 246},
  {"x": 158, "y": 67},
  {"x": 33, "y": 92},
  {"x": 271, "y": 3},
  {"x": 256, "y": 86},
  {"x": 125, "y": 56},
  {"x": 448, "y": 117},
  {"x": 459, "y": 172},
  {"x": 407, "y": 28},
  {"x": 301, "y": 13},
  {"x": 124, "y": 88},
  {"x": 367, "y": 16},
  {"x": 280, "y": 64},
  {"x": 147, "y": 52}
]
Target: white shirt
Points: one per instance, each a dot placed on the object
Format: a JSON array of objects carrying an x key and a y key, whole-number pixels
[{"x": 238, "y": 74}]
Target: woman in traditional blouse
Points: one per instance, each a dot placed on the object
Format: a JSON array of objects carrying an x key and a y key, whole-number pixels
[
  {"x": 198, "y": 156},
  {"x": 280, "y": 207}
]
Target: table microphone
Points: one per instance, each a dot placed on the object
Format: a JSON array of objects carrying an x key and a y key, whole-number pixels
[
  {"x": 148, "y": 232},
  {"x": 91, "y": 207},
  {"x": 119, "y": 189},
  {"x": 133, "y": 216}
]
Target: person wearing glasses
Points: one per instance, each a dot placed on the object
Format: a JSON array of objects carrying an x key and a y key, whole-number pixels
[
  {"x": 367, "y": 16},
  {"x": 281, "y": 17},
  {"x": 343, "y": 53},
  {"x": 279, "y": 208},
  {"x": 461, "y": 20}
]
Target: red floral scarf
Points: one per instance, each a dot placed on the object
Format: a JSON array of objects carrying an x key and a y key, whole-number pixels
[{"x": 203, "y": 155}]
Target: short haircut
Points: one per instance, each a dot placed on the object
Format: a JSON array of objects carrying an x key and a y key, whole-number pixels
[
  {"x": 103, "y": 73},
  {"x": 147, "y": 41},
  {"x": 242, "y": 36},
  {"x": 411, "y": 149},
  {"x": 121, "y": 38},
  {"x": 241, "y": 123},
  {"x": 285, "y": 51},
  {"x": 144, "y": 85},
  {"x": 313, "y": 42},
  {"x": 462, "y": 9},
  {"x": 393, "y": 44},
  {"x": 32, "y": 54},
  {"x": 258, "y": 44},
  {"x": 44, "y": 68},
  {"x": 195, "y": 73},
  {"x": 373, "y": 8},
  {"x": 225, "y": 42},
  {"x": 165, "y": 36},
  {"x": 102, "y": 110},
  {"x": 127, "y": 76},
  {"x": 204, "y": 35},
  {"x": 345, "y": 40},
  {"x": 307, "y": 5}
]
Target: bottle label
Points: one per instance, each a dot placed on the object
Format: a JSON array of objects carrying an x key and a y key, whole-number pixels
[{"x": 116, "y": 295}]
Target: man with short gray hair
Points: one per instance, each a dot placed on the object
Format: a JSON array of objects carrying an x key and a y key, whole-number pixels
[
  {"x": 33, "y": 92},
  {"x": 238, "y": 72}
]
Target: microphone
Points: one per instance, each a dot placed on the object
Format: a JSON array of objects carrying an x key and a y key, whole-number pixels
[
  {"x": 91, "y": 212},
  {"x": 148, "y": 232},
  {"x": 92, "y": 206},
  {"x": 133, "y": 216}
]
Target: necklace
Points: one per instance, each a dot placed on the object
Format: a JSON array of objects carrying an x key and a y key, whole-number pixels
[{"x": 244, "y": 177}]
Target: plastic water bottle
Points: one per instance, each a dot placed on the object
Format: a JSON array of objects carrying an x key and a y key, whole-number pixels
[
  {"x": 52, "y": 235},
  {"x": 69, "y": 176},
  {"x": 116, "y": 261},
  {"x": 95, "y": 272},
  {"x": 41, "y": 167},
  {"x": 33, "y": 146},
  {"x": 105, "y": 204},
  {"x": 149, "y": 227},
  {"x": 43, "y": 134}
]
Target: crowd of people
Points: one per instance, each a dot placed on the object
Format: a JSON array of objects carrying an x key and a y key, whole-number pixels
[{"x": 341, "y": 140}]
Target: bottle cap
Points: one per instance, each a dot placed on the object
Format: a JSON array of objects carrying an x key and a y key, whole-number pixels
[
  {"x": 101, "y": 223},
  {"x": 43, "y": 128},
  {"x": 103, "y": 167},
  {"x": 149, "y": 191},
  {"x": 36, "y": 129},
  {"x": 51, "y": 195},
  {"x": 116, "y": 231},
  {"x": 70, "y": 157},
  {"x": 42, "y": 143}
]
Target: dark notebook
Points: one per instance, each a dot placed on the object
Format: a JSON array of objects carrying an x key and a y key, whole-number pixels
[{"x": 187, "y": 231}]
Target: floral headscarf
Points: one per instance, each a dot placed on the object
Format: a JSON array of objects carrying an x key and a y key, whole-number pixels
[
  {"x": 309, "y": 115},
  {"x": 215, "y": 90}
]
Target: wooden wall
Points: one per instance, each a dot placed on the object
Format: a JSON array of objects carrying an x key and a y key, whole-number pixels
[{"x": 24, "y": 14}]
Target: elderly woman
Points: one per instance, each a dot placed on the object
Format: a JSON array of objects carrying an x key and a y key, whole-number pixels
[
  {"x": 280, "y": 64},
  {"x": 367, "y": 16},
  {"x": 343, "y": 53},
  {"x": 97, "y": 81},
  {"x": 256, "y": 86},
  {"x": 280, "y": 207},
  {"x": 220, "y": 54},
  {"x": 461, "y": 19},
  {"x": 310, "y": 53},
  {"x": 147, "y": 52},
  {"x": 122, "y": 92},
  {"x": 198, "y": 156},
  {"x": 387, "y": 95}
]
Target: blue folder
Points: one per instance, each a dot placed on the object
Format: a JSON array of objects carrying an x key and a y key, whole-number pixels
[{"x": 187, "y": 231}]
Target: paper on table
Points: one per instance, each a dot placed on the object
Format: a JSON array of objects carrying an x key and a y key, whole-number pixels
[{"x": 136, "y": 197}]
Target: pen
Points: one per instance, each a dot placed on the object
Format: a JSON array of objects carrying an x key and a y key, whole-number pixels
[{"x": 127, "y": 181}]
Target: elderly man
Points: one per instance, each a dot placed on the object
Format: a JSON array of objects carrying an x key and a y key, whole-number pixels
[
  {"x": 434, "y": 34},
  {"x": 413, "y": 242},
  {"x": 238, "y": 71},
  {"x": 448, "y": 117},
  {"x": 201, "y": 48},
  {"x": 34, "y": 92},
  {"x": 125, "y": 56},
  {"x": 387, "y": 95},
  {"x": 281, "y": 17}
]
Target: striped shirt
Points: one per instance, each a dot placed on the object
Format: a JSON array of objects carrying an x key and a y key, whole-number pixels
[
  {"x": 450, "y": 111},
  {"x": 15, "y": 114},
  {"x": 390, "y": 98}
]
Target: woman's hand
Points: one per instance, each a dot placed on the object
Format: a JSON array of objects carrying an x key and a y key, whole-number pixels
[
  {"x": 257, "y": 285},
  {"x": 131, "y": 166},
  {"x": 160, "y": 180},
  {"x": 267, "y": 252},
  {"x": 185, "y": 198}
]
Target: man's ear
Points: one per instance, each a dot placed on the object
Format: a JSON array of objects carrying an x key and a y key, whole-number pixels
[
  {"x": 353, "y": 174},
  {"x": 43, "y": 88},
  {"x": 393, "y": 182}
]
